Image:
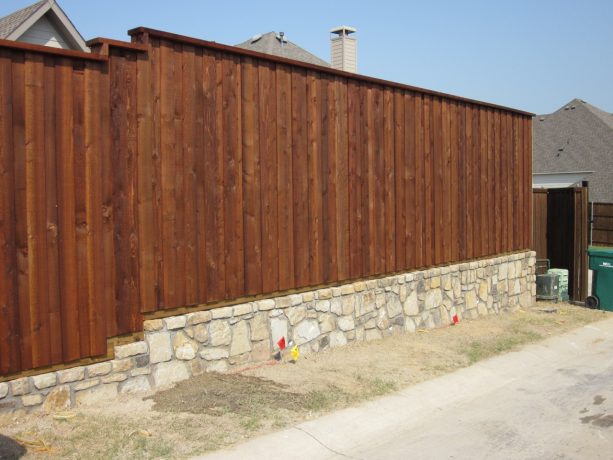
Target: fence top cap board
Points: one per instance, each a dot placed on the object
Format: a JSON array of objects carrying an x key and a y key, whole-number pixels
[{"x": 141, "y": 35}]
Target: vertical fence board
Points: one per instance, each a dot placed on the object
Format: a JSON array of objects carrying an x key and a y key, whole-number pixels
[
  {"x": 285, "y": 187},
  {"x": 314, "y": 180},
  {"x": 252, "y": 219},
  {"x": 10, "y": 349},
  {"x": 268, "y": 170}
]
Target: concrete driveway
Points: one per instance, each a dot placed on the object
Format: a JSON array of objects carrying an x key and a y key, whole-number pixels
[{"x": 553, "y": 400}]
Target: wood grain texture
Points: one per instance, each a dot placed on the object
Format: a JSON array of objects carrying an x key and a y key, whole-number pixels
[{"x": 177, "y": 173}]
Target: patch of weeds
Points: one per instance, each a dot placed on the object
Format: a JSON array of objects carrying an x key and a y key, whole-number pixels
[
  {"x": 381, "y": 387},
  {"x": 320, "y": 401},
  {"x": 251, "y": 423},
  {"x": 477, "y": 351}
]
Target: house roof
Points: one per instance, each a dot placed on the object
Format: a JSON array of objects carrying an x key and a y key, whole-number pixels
[
  {"x": 270, "y": 43},
  {"x": 577, "y": 137},
  {"x": 16, "y": 24}
]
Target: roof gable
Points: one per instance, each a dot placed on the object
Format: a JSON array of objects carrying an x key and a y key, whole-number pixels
[{"x": 15, "y": 26}]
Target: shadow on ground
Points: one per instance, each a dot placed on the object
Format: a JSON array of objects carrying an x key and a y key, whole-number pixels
[{"x": 10, "y": 449}]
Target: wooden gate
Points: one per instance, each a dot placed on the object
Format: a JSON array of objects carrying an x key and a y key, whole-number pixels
[{"x": 560, "y": 233}]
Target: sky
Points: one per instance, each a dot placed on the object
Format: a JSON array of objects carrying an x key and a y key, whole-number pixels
[{"x": 531, "y": 55}]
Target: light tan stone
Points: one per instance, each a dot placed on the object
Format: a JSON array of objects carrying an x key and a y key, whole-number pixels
[
  {"x": 170, "y": 372},
  {"x": 220, "y": 313},
  {"x": 278, "y": 329},
  {"x": 471, "y": 299},
  {"x": 184, "y": 347},
  {"x": 175, "y": 322},
  {"x": 259, "y": 327},
  {"x": 266, "y": 304},
  {"x": 242, "y": 309},
  {"x": 97, "y": 395},
  {"x": 153, "y": 325},
  {"x": 359, "y": 286},
  {"x": 199, "y": 317},
  {"x": 95, "y": 370},
  {"x": 347, "y": 289},
  {"x": 323, "y": 305},
  {"x": 71, "y": 375},
  {"x": 136, "y": 385},
  {"x": 4, "y": 389},
  {"x": 483, "y": 290},
  {"x": 119, "y": 377},
  {"x": 201, "y": 332},
  {"x": 324, "y": 294},
  {"x": 214, "y": 354},
  {"x": 434, "y": 298},
  {"x": 308, "y": 296},
  {"x": 241, "y": 342},
  {"x": 327, "y": 322},
  {"x": 130, "y": 349},
  {"x": 283, "y": 302},
  {"x": 394, "y": 307},
  {"x": 411, "y": 304},
  {"x": 435, "y": 282},
  {"x": 296, "y": 314},
  {"x": 306, "y": 331},
  {"x": 122, "y": 365},
  {"x": 44, "y": 380},
  {"x": 85, "y": 384},
  {"x": 31, "y": 400},
  {"x": 346, "y": 323},
  {"x": 58, "y": 399},
  {"x": 219, "y": 333}
]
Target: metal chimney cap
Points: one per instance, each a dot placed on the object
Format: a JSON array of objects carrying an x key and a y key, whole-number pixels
[{"x": 343, "y": 29}]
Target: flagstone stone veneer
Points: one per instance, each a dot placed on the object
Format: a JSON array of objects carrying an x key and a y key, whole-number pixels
[{"x": 177, "y": 347}]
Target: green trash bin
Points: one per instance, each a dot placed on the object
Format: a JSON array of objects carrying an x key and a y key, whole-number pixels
[{"x": 601, "y": 261}]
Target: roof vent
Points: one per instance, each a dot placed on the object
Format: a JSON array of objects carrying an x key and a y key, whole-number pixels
[
  {"x": 572, "y": 107},
  {"x": 566, "y": 108},
  {"x": 255, "y": 38},
  {"x": 542, "y": 119},
  {"x": 281, "y": 37}
]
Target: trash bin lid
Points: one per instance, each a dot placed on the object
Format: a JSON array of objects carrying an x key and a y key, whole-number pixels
[{"x": 600, "y": 252}]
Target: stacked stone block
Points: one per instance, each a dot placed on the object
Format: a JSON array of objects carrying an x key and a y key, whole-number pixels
[{"x": 177, "y": 347}]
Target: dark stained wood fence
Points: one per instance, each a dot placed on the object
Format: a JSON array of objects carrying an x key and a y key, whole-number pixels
[
  {"x": 560, "y": 234},
  {"x": 175, "y": 172},
  {"x": 602, "y": 226}
]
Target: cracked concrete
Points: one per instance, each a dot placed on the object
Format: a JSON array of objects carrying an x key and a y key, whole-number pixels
[{"x": 549, "y": 400}]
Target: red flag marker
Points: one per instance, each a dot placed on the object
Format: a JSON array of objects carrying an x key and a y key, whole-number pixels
[
  {"x": 281, "y": 343},
  {"x": 455, "y": 319}
]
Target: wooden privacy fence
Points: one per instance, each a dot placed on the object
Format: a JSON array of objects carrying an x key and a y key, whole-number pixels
[
  {"x": 602, "y": 224},
  {"x": 173, "y": 172},
  {"x": 560, "y": 234}
]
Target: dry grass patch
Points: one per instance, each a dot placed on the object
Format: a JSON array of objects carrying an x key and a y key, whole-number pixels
[{"x": 214, "y": 411}]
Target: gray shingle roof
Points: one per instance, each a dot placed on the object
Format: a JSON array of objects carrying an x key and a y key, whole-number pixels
[
  {"x": 577, "y": 137},
  {"x": 270, "y": 43},
  {"x": 9, "y": 23}
]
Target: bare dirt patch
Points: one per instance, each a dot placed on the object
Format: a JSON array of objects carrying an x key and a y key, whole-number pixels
[{"x": 214, "y": 410}]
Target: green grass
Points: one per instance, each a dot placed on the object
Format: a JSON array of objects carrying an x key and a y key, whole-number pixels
[{"x": 479, "y": 350}]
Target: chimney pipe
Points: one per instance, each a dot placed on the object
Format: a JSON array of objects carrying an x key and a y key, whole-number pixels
[{"x": 344, "y": 49}]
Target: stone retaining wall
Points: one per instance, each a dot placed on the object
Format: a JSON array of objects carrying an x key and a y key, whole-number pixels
[{"x": 217, "y": 340}]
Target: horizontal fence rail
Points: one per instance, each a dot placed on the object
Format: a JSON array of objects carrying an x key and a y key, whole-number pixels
[
  {"x": 602, "y": 226},
  {"x": 174, "y": 172}
]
